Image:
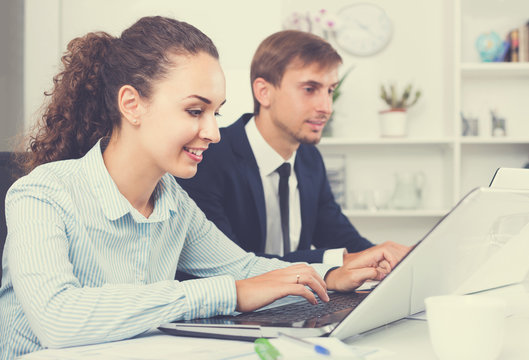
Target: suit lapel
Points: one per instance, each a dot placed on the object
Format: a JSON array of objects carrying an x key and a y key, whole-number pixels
[{"x": 250, "y": 171}]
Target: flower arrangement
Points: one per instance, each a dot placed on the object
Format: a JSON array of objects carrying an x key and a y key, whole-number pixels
[
  {"x": 322, "y": 22},
  {"x": 396, "y": 101}
]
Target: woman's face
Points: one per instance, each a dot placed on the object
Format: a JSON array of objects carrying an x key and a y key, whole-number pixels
[{"x": 179, "y": 121}]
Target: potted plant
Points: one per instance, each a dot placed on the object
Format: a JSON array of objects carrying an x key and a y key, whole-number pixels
[
  {"x": 327, "y": 130},
  {"x": 393, "y": 121}
]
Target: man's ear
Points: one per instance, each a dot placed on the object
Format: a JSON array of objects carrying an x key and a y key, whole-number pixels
[
  {"x": 262, "y": 91},
  {"x": 129, "y": 103}
]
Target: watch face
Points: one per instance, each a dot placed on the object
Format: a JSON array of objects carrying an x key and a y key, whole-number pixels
[{"x": 365, "y": 29}]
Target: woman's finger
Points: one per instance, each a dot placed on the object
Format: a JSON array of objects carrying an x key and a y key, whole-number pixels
[
  {"x": 313, "y": 282},
  {"x": 296, "y": 289}
]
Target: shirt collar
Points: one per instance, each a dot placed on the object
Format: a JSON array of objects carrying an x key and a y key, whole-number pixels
[
  {"x": 268, "y": 160},
  {"x": 113, "y": 204}
]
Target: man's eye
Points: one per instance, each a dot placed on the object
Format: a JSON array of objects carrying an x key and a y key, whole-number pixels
[
  {"x": 195, "y": 113},
  {"x": 309, "y": 90}
]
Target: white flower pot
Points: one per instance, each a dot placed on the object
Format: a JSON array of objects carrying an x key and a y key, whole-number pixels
[{"x": 393, "y": 123}]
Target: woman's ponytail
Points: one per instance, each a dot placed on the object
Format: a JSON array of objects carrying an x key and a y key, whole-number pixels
[{"x": 76, "y": 116}]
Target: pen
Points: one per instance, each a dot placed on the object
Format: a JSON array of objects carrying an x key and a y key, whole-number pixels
[
  {"x": 318, "y": 348},
  {"x": 265, "y": 350}
]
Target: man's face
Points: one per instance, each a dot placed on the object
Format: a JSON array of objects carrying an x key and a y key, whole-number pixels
[{"x": 301, "y": 105}]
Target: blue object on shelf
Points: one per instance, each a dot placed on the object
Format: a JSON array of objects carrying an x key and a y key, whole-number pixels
[
  {"x": 504, "y": 50},
  {"x": 489, "y": 46}
]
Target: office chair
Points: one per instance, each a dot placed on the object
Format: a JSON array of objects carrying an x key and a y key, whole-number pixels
[{"x": 8, "y": 174}]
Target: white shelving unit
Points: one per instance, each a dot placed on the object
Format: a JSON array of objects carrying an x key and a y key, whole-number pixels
[
  {"x": 453, "y": 164},
  {"x": 370, "y": 165},
  {"x": 421, "y": 213},
  {"x": 503, "y": 69},
  {"x": 481, "y": 87},
  {"x": 330, "y": 141}
]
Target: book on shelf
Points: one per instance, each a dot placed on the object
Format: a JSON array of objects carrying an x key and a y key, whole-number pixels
[
  {"x": 517, "y": 44},
  {"x": 514, "y": 36},
  {"x": 523, "y": 47}
]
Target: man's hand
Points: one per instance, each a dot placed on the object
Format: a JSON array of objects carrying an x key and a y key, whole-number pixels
[
  {"x": 384, "y": 256},
  {"x": 371, "y": 264}
]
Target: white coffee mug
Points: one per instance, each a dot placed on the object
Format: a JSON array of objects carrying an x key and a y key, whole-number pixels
[{"x": 466, "y": 327}]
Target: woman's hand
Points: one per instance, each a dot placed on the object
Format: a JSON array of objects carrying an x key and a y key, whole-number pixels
[{"x": 258, "y": 291}]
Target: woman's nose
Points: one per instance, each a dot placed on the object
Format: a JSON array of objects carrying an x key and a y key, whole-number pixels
[{"x": 210, "y": 130}]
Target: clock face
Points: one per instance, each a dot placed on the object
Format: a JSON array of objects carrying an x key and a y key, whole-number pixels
[{"x": 365, "y": 29}]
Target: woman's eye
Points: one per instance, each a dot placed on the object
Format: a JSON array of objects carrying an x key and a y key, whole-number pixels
[
  {"x": 195, "y": 112},
  {"x": 217, "y": 114}
]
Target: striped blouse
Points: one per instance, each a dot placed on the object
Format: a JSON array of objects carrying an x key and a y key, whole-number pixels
[{"x": 82, "y": 266}]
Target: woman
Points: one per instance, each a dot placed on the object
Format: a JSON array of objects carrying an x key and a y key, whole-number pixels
[{"x": 98, "y": 228}]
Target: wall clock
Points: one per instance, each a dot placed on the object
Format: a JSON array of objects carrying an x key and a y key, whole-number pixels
[{"x": 365, "y": 29}]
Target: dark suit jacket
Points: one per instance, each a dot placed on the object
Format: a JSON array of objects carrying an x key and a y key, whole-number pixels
[{"x": 228, "y": 188}]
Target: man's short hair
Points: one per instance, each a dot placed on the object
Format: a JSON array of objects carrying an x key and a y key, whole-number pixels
[{"x": 280, "y": 49}]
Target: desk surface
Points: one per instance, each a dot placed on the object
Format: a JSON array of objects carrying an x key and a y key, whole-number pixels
[
  {"x": 409, "y": 339},
  {"x": 404, "y": 339}
]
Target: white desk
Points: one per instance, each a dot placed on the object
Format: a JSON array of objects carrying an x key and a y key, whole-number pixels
[
  {"x": 404, "y": 339},
  {"x": 409, "y": 339}
]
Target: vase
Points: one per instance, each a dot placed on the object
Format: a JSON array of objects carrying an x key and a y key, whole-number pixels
[
  {"x": 393, "y": 123},
  {"x": 408, "y": 190}
]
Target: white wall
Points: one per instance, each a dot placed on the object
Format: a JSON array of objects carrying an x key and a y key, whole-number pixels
[
  {"x": 236, "y": 27},
  {"x": 417, "y": 52},
  {"x": 41, "y": 53}
]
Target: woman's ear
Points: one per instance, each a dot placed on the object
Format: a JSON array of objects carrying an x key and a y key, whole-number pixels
[
  {"x": 129, "y": 103},
  {"x": 262, "y": 90}
]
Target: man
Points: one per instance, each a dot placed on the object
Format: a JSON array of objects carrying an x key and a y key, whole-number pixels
[{"x": 293, "y": 76}]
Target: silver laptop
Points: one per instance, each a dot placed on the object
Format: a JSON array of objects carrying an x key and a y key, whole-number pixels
[
  {"x": 511, "y": 178},
  {"x": 486, "y": 227}
]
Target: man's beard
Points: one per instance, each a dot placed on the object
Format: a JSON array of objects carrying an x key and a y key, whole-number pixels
[
  {"x": 309, "y": 141},
  {"x": 299, "y": 137}
]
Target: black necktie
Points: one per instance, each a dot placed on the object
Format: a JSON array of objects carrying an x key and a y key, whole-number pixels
[{"x": 284, "y": 173}]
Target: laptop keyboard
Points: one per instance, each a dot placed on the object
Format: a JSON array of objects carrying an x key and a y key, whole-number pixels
[{"x": 304, "y": 310}]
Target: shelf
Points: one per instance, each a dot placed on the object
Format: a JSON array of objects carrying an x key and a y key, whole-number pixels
[
  {"x": 336, "y": 141},
  {"x": 495, "y": 69},
  {"x": 491, "y": 141},
  {"x": 396, "y": 213}
]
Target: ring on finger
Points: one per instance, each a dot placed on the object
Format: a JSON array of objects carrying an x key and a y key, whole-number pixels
[{"x": 297, "y": 279}]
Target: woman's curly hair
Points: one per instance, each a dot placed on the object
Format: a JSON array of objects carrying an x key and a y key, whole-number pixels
[{"x": 82, "y": 107}]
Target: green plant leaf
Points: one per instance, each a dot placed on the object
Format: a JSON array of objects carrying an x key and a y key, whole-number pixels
[
  {"x": 337, "y": 90},
  {"x": 396, "y": 101}
]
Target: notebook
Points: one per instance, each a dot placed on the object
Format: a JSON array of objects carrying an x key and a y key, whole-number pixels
[{"x": 482, "y": 225}]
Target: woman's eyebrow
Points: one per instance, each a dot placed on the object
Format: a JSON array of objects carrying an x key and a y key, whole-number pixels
[{"x": 203, "y": 99}]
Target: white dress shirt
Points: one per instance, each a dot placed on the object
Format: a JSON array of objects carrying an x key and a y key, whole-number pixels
[{"x": 268, "y": 160}]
